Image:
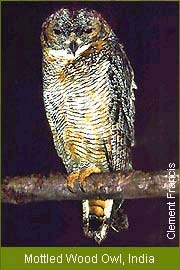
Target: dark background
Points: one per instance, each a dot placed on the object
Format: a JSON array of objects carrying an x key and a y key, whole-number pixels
[{"x": 149, "y": 32}]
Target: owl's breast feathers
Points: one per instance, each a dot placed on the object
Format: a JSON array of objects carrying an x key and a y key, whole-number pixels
[{"x": 80, "y": 96}]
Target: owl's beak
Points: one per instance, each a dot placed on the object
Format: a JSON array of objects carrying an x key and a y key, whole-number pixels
[{"x": 73, "y": 46}]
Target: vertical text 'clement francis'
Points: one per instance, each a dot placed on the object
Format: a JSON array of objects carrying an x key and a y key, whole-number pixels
[{"x": 171, "y": 231}]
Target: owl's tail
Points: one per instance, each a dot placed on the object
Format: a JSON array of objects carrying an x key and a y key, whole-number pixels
[{"x": 99, "y": 216}]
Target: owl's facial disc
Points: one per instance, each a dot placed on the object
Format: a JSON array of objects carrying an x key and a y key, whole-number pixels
[{"x": 68, "y": 34}]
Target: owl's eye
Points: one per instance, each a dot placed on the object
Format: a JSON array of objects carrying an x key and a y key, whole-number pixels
[
  {"x": 56, "y": 31},
  {"x": 88, "y": 30}
]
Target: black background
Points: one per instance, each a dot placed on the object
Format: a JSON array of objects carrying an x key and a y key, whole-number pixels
[{"x": 149, "y": 32}]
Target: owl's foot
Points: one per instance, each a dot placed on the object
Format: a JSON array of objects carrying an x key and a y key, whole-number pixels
[
  {"x": 80, "y": 178},
  {"x": 71, "y": 178},
  {"x": 84, "y": 174}
]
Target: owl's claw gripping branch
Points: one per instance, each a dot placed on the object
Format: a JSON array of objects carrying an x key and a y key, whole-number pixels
[
  {"x": 84, "y": 174},
  {"x": 71, "y": 178},
  {"x": 81, "y": 177}
]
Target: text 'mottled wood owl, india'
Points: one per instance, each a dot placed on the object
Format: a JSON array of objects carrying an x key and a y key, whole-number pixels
[{"x": 88, "y": 90}]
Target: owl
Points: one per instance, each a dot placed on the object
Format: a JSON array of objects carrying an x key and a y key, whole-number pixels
[{"x": 88, "y": 92}]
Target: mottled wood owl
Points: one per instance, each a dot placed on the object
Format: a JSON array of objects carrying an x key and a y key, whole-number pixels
[{"x": 88, "y": 90}]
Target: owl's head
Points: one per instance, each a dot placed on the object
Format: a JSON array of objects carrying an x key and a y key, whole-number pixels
[{"x": 68, "y": 34}]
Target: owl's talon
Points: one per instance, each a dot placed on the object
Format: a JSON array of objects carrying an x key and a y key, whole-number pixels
[
  {"x": 71, "y": 188},
  {"x": 82, "y": 186},
  {"x": 75, "y": 188}
]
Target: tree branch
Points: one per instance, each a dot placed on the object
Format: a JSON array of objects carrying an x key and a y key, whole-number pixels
[{"x": 129, "y": 185}]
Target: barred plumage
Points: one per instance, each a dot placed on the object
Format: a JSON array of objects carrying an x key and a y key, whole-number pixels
[{"x": 89, "y": 100}]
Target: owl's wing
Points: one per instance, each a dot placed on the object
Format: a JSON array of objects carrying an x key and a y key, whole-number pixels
[{"x": 122, "y": 107}]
